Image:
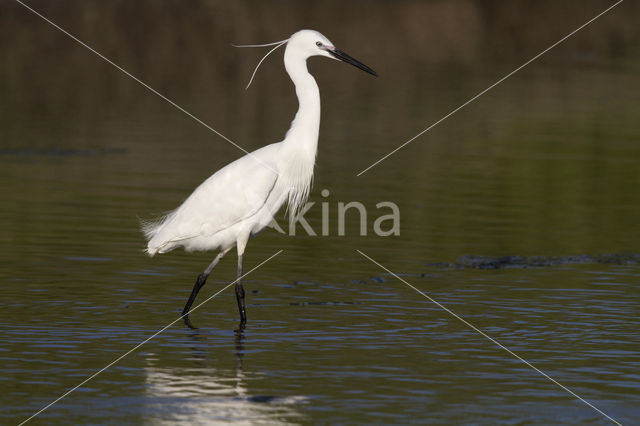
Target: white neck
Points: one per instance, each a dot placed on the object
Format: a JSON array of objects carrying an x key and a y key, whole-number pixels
[
  {"x": 298, "y": 154},
  {"x": 306, "y": 124}
]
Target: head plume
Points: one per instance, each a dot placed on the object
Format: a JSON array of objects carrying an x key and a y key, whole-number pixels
[{"x": 275, "y": 43}]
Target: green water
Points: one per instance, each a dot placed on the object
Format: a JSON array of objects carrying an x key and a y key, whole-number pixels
[{"x": 546, "y": 164}]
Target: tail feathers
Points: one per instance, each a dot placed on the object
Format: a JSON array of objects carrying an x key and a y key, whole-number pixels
[
  {"x": 150, "y": 228},
  {"x": 150, "y": 251}
]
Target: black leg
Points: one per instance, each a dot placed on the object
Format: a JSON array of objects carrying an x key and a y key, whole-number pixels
[
  {"x": 240, "y": 293},
  {"x": 202, "y": 279},
  {"x": 239, "y": 333}
]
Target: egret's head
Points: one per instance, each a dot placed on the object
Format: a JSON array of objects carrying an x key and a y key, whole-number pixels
[
  {"x": 307, "y": 43},
  {"x": 304, "y": 44}
]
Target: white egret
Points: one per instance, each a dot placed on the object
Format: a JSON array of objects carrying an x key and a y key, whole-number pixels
[{"x": 239, "y": 200}]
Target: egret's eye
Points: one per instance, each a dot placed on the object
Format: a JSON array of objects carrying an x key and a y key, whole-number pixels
[{"x": 319, "y": 43}]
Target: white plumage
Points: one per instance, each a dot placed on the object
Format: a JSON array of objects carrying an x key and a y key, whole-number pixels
[
  {"x": 223, "y": 208},
  {"x": 240, "y": 200}
]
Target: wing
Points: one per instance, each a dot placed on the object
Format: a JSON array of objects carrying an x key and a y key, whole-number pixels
[{"x": 232, "y": 194}]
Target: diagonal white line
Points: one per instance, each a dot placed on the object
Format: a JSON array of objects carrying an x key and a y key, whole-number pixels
[
  {"x": 145, "y": 85},
  {"x": 490, "y": 87},
  {"x": 482, "y": 333},
  {"x": 145, "y": 341}
]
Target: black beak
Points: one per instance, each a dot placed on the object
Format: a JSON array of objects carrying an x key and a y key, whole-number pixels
[{"x": 339, "y": 54}]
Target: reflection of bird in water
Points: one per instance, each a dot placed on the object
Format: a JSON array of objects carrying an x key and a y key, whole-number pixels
[
  {"x": 239, "y": 200},
  {"x": 239, "y": 333},
  {"x": 205, "y": 395}
]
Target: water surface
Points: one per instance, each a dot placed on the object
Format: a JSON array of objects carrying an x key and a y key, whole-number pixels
[{"x": 542, "y": 170}]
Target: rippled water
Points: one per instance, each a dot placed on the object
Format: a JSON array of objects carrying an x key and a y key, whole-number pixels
[{"x": 519, "y": 214}]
